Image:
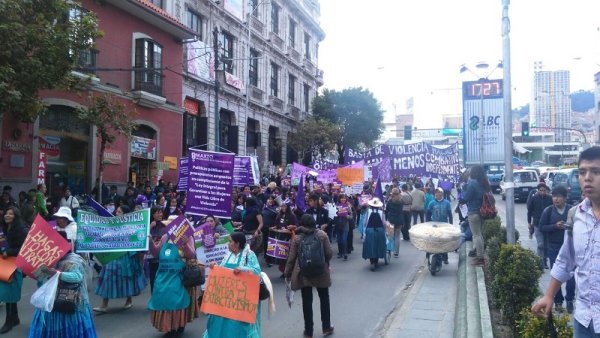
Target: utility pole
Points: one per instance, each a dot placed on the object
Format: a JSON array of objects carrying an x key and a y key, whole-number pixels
[
  {"x": 508, "y": 146},
  {"x": 217, "y": 84}
]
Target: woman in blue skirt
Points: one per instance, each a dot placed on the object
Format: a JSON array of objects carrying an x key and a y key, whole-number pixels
[
  {"x": 374, "y": 246},
  {"x": 121, "y": 278},
  {"x": 10, "y": 292},
  {"x": 79, "y": 324}
]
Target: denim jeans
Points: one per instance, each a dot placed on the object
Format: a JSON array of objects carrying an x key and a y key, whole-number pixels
[
  {"x": 418, "y": 214},
  {"x": 342, "y": 240},
  {"x": 475, "y": 222},
  {"x": 580, "y": 331},
  {"x": 307, "y": 297},
  {"x": 570, "y": 289}
]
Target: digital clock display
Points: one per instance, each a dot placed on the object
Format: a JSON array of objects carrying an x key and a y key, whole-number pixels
[{"x": 482, "y": 89}]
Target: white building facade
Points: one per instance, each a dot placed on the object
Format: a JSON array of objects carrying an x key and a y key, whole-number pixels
[{"x": 551, "y": 101}]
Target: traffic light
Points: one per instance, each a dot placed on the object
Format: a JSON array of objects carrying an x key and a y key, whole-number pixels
[
  {"x": 407, "y": 132},
  {"x": 524, "y": 128}
]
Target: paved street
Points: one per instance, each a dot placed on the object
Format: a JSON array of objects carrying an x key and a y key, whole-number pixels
[{"x": 360, "y": 302}]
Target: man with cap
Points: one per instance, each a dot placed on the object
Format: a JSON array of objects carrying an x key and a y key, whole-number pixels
[
  {"x": 553, "y": 223},
  {"x": 535, "y": 206},
  {"x": 66, "y": 223}
]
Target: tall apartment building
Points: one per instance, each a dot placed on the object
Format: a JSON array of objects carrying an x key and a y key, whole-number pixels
[
  {"x": 266, "y": 79},
  {"x": 551, "y": 101}
]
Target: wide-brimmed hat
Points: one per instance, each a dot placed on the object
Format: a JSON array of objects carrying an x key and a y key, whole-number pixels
[
  {"x": 64, "y": 212},
  {"x": 375, "y": 202},
  {"x": 272, "y": 185}
]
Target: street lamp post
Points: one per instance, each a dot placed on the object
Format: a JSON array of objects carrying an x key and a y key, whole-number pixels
[{"x": 508, "y": 146}]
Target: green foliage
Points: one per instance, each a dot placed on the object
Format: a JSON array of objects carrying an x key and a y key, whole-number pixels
[
  {"x": 355, "y": 111},
  {"x": 493, "y": 251},
  {"x": 531, "y": 326},
  {"x": 314, "y": 134},
  {"x": 516, "y": 280},
  {"x": 493, "y": 228},
  {"x": 40, "y": 46}
]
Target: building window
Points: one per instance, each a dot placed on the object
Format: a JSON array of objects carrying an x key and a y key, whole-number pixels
[
  {"x": 86, "y": 62},
  {"x": 226, "y": 46},
  {"x": 157, "y": 3},
  {"x": 292, "y": 33},
  {"x": 306, "y": 97},
  {"x": 148, "y": 66},
  {"x": 275, "y": 18},
  {"x": 253, "y": 8},
  {"x": 194, "y": 21},
  {"x": 291, "y": 89},
  {"x": 306, "y": 46},
  {"x": 274, "y": 79},
  {"x": 253, "y": 68}
]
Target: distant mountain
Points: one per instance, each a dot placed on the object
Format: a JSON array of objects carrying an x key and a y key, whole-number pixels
[{"x": 581, "y": 101}]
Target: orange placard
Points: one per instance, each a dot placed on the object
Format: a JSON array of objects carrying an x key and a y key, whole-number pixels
[
  {"x": 231, "y": 296},
  {"x": 349, "y": 176},
  {"x": 8, "y": 266}
]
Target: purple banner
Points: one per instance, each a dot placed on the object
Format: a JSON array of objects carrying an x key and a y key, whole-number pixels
[
  {"x": 278, "y": 248},
  {"x": 179, "y": 230},
  {"x": 182, "y": 183},
  {"x": 210, "y": 183},
  {"x": 419, "y": 158},
  {"x": 3, "y": 242},
  {"x": 243, "y": 172},
  {"x": 325, "y": 176}
]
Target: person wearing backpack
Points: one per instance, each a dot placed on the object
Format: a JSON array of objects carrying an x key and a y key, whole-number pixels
[
  {"x": 477, "y": 186},
  {"x": 374, "y": 246},
  {"x": 307, "y": 267}
]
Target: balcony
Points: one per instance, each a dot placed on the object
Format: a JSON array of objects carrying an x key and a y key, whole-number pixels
[
  {"x": 257, "y": 25},
  {"x": 256, "y": 94},
  {"x": 85, "y": 69},
  {"x": 293, "y": 54},
  {"x": 276, "y": 40},
  {"x": 309, "y": 67},
  {"x": 147, "y": 88},
  {"x": 293, "y": 111},
  {"x": 319, "y": 77},
  {"x": 275, "y": 103}
]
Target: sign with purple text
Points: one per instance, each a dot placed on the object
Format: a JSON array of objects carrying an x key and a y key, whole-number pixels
[
  {"x": 182, "y": 183},
  {"x": 244, "y": 171},
  {"x": 179, "y": 230},
  {"x": 210, "y": 183}
]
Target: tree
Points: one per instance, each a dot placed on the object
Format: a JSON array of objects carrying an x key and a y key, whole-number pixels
[
  {"x": 41, "y": 42},
  {"x": 314, "y": 135},
  {"x": 111, "y": 118},
  {"x": 357, "y": 114}
]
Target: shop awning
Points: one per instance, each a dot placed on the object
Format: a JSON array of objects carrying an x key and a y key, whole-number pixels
[{"x": 520, "y": 149}]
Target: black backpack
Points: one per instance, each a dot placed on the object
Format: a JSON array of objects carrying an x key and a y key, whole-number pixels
[{"x": 311, "y": 256}]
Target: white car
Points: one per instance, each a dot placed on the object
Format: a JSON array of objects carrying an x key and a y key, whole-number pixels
[{"x": 525, "y": 181}]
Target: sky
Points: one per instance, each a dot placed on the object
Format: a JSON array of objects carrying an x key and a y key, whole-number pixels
[{"x": 415, "y": 48}]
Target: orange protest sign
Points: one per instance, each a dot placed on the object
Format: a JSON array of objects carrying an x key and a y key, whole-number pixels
[
  {"x": 7, "y": 268},
  {"x": 231, "y": 296},
  {"x": 349, "y": 176}
]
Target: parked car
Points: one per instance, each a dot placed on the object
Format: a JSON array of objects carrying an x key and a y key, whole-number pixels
[
  {"x": 524, "y": 180},
  {"x": 569, "y": 178},
  {"x": 494, "y": 175}
]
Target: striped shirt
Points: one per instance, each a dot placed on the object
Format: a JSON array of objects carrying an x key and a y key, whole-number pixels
[{"x": 580, "y": 256}]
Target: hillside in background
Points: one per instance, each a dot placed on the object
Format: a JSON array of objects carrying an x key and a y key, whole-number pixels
[{"x": 581, "y": 102}]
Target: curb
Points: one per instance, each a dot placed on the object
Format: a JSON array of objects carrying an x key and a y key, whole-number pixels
[{"x": 472, "y": 316}]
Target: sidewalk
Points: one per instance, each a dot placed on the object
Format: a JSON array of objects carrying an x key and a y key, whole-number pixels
[{"x": 428, "y": 310}]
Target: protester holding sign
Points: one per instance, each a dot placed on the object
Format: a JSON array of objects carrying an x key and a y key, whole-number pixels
[
  {"x": 157, "y": 230},
  {"x": 80, "y": 323},
  {"x": 66, "y": 223},
  {"x": 170, "y": 301},
  {"x": 252, "y": 224},
  {"x": 10, "y": 291},
  {"x": 240, "y": 259},
  {"x": 121, "y": 278}
]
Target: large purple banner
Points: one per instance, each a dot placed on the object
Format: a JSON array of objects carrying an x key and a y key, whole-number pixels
[
  {"x": 182, "y": 183},
  {"x": 210, "y": 183},
  {"x": 419, "y": 158},
  {"x": 245, "y": 171},
  {"x": 325, "y": 176}
]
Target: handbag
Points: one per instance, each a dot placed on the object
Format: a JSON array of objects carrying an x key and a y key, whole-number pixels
[
  {"x": 192, "y": 276},
  {"x": 67, "y": 297}
]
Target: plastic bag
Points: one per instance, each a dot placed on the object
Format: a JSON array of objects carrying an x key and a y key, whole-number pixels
[
  {"x": 43, "y": 298},
  {"x": 289, "y": 293}
]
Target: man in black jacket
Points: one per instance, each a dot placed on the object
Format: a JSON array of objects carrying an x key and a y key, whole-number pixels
[
  {"x": 535, "y": 206},
  {"x": 319, "y": 213}
]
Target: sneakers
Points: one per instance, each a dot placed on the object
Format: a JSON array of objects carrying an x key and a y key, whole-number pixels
[
  {"x": 570, "y": 306},
  {"x": 473, "y": 253},
  {"x": 328, "y": 332}
]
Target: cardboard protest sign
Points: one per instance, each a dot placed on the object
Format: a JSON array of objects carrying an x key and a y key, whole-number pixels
[
  {"x": 349, "y": 176},
  {"x": 128, "y": 232},
  {"x": 231, "y": 296},
  {"x": 42, "y": 246},
  {"x": 8, "y": 266},
  {"x": 179, "y": 230}
]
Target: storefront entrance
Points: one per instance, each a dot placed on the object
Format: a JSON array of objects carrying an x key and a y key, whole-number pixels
[{"x": 143, "y": 155}]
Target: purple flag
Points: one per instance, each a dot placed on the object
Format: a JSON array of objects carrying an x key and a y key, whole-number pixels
[
  {"x": 98, "y": 207},
  {"x": 300, "y": 197},
  {"x": 179, "y": 230},
  {"x": 182, "y": 183},
  {"x": 210, "y": 183},
  {"x": 378, "y": 190}
]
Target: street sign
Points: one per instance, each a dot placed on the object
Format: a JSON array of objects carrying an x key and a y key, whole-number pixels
[{"x": 483, "y": 122}]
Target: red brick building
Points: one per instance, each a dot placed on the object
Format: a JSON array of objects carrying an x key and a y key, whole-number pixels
[{"x": 139, "y": 60}]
